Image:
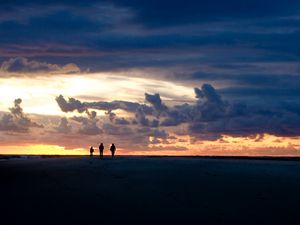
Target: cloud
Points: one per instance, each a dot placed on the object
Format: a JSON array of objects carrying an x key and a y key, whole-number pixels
[
  {"x": 88, "y": 127},
  {"x": 75, "y": 105},
  {"x": 114, "y": 105},
  {"x": 116, "y": 120},
  {"x": 216, "y": 117},
  {"x": 70, "y": 105},
  {"x": 24, "y": 65},
  {"x": 16, "y": 120},
  {"x": 121, "y": 121},
  {"x": 208, "y": 118},
  {"x": 177, "y": 115},
  {"x": 167, "y": 148},
  {"x": 211, "y": 117},
  {"x": 156, "y": 133},
  {"x": 141, "y": 119},
  {"x": 64, "y": 126},
  {"x": 261, "y": 77},
  {"x": 209, "y": 93},
  {"x": 153, "y": 13},
  {"x": 156, "y": 102},
  {"x": 209, "y": 105},
  {"x": 104, "y": 27},
  {"x": 113, "y": 129},
  {"x": 88, "y": 124}
]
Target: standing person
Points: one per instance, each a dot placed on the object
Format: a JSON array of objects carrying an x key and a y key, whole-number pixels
[
  {"x": 101, "y": 150},
  {"x": 113, "y": 149},
  {"x": 91, "y": 151}
]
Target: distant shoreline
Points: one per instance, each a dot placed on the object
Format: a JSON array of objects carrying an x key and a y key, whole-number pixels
[{"x": 281, "y": 158}]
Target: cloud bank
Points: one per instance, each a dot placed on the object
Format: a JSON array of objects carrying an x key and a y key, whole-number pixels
[
  {"x": 21, "y": 65},
  {"x": 154, "y": 125},
  {"x": 209, "y": 117}
]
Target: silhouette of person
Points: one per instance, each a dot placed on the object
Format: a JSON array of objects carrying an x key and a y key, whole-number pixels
[
  {"x": 113, "y": 149},
  {"x": 101, "y": 150},
  {"x": 91, "y": 151}
]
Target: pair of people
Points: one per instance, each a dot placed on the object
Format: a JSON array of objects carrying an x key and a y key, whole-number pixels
[{"x": 101, "y": 150}]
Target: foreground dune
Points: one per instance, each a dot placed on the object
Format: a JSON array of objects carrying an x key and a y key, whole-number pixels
[{"x": 149, "y": 190}]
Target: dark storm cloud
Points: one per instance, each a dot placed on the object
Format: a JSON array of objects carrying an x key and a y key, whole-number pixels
[
  {"x": 159, "y": 136},
  {"x": 215, "y": 116},
  {"x": 157, "y": 13},
  {"x": 277, "y": 83},
  {"x": 141, "y": 119},
  {"x": 211, "y": 116},
  {"x": 176, "y": 10},
  {"x": 272, "y": 93},
  {"x": 124, "y": 105},
  {"x": 24, "y": 65},
  {"x": 72, "y": 104},
  {"x": 156, "y": 102},
  {"x": 178, "y": 115},
  {"x": 132, "y": 25},
  {"x": 263, "y": 80}
]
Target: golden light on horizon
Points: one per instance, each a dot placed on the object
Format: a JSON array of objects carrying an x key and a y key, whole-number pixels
[
  {"x": 258, "y": 145},
  {"x": 266, "y": 145},
  {"x": 40, "y": 149}
]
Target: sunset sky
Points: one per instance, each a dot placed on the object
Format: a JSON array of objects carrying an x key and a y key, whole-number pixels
[{"x": 154, "y": 77}]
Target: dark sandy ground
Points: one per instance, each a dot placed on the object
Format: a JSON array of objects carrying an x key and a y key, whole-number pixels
[{"x": 149, "y": 190}]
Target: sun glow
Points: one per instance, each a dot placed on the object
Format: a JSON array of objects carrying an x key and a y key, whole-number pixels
[{"x": 38, "y": 93}]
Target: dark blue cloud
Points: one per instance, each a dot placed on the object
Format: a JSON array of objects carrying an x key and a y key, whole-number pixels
[
  {"x": 84, "y": 22},
  {"x": 125, "y": 32},
  {"x": 257, "y": 80},
  {"x": 274, "y": 92},
  {"x": 60, "y": 26},
  {"x": 165, "y": 13},
  {"x": 209, "y": 117}
]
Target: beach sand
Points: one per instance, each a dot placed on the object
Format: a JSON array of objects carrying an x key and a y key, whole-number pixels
[{"x": 149, "y": 190}]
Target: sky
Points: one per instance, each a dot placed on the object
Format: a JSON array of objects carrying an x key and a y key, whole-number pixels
[{"x": 154, "y": 77}]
